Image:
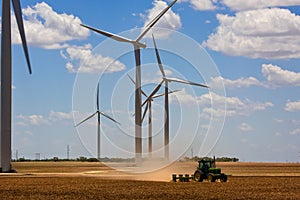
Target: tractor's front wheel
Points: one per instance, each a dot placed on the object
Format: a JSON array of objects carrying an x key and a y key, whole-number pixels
[{"x": 198, "y": 177}]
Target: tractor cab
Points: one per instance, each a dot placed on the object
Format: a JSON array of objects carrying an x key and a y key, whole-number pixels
[
  {"x": 206, "y": 164},
  {"x": 207, "y": 170}
]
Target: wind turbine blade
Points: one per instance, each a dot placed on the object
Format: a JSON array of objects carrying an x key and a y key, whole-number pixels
[
  {"x": 158, "y": 95},
  {"x": 114, "y": 36},
  {"x": 153, "y": 21},
  {"x": 134, "y": 84},
  {"x": 19, "y": 18},
  {"x": 145, "y": 111},
  {"x": 97, "y": 97},
  {"x": 158, "y": 59},
  {"x": 170, "y": 92},
  {"x": 186, "y": 82},
  {"x": 173, "y": 91},
  {"x": 153, "y": 93},
  {"x": 87, "y": 118},
  {"x": 105, "y": 115},
  {"x": 131, "y": 79}
]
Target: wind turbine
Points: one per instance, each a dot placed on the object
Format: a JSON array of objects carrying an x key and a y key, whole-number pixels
[
  {"x": 138, "y": 94},
  {"x": 99, "y": 113},
  {"x": 149, "y": 109},
  {"x": 6, "y": 76},
  {"x": 167, "y": 81}
]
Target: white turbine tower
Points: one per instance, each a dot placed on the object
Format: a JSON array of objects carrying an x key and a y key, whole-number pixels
[
  {"x": 99, "y": 113},
  {"x": 167, "y": 80},
  {"x": 138, "y": 95},
  {"x": 6, "y": 76}
]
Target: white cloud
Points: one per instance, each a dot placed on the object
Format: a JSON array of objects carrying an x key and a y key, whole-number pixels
[
  {"x": 276, "y": 76},
  {"x": 258, "y": 4},
  {"x": 204, "y": 4},
  {"x": 59, "y": 116},
  {"x": 245, "y": 127},
  {"x": 52, "y": 117},
  {"x": 234, "y": 105},
  {"x": 266, "y": 33},
  {"x": 238, "y": 83},
  {"x": 292, "y": 106},
  {"x": 83, "y": 59},
  {"x": 278, "y": 134},
  {"x": 35, "y": 120},
  {"x": 48, "y": 29},
  {"x": 214, "y": 104},
  {"x": 295, "y": 132},
  {"x": 170, "y": 20},
  {"x": 200, "y": 4},
  {"x": 279, "y": 120},
  {"x": 183, "y": 97}
]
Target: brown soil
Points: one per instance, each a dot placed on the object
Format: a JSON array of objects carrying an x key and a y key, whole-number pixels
[{"x": 95, "y": 181}]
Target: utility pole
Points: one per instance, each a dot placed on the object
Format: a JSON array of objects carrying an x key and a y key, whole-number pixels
[
  {"x": 37, "y": 156},
  {"x": 68, "y": 152},
  {"x": 17, "y": 155}
]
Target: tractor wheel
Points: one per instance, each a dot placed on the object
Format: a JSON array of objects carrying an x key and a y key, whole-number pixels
[
  {"x": 198, "y": 177},
  {"x": 223, "y": 178},
  {"x": 211, "y": 178}
]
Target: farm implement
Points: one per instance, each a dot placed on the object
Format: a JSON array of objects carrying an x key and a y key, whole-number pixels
[{"x": 206, "y": 170}]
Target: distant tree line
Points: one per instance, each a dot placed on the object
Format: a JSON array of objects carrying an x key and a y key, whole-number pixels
[
  {"x": 218, "y": 159},
  {"x": 80, "y": 159},
  {"x": 106, "y": 159}
]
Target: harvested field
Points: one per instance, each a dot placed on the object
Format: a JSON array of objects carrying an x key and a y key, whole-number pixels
[{"x": 95, "y": 181}]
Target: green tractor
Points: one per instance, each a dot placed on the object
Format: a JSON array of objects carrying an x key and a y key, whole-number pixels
[{"x": 207, "y": 170}]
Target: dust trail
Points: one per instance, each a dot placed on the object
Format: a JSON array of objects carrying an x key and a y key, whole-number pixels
[{"x": 165, "y": 174}]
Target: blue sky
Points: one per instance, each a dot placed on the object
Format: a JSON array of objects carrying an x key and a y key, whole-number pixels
[{"x": 255, "y": 47}]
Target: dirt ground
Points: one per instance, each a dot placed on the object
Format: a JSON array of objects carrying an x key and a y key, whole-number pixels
[{"x": 75, "y": 180}]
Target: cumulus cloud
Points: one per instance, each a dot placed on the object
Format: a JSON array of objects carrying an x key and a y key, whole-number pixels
[
  {"x": 201, "y": 4},
  {"x": 183, "y": 97},
  {"x": 265, "y": 33},
  {"x": 258, "y": 4},
  {"x": 48, "y": 29},
  {"x": 170, "y": 20},
  {"x": 82, "y": 58},
  {"x": 34, "y": 120},
  {"x": 204, "y": 4},
  {"x": 276, "y": 76},
  {"x": 52, "y": 117},
  {"x": 59, "y": 116},
  {"x": 295, "y": 132},
  {"x": 292, "y": 106},
  {"x": 245, "y": 127},
  {"x": 214, "y": 104},
  {"x": 231, "y": 84}
]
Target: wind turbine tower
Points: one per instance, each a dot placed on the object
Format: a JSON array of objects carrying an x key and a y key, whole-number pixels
[
  {"x": 6, "y": 76},
  {"x": 98, "y": 113},
  {"x": 167, "y": 80},
  {"x": 138, "y": 95}
]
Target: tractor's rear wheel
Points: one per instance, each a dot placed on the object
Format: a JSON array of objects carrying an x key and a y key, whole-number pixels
[
  {"x": 198, "y": 177},
  {"x": 223, "y": 178},
  {"x": 211, "y": 178}
]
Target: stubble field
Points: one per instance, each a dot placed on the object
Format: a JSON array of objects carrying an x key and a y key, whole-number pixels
[{"x": 75, "y": 180}]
